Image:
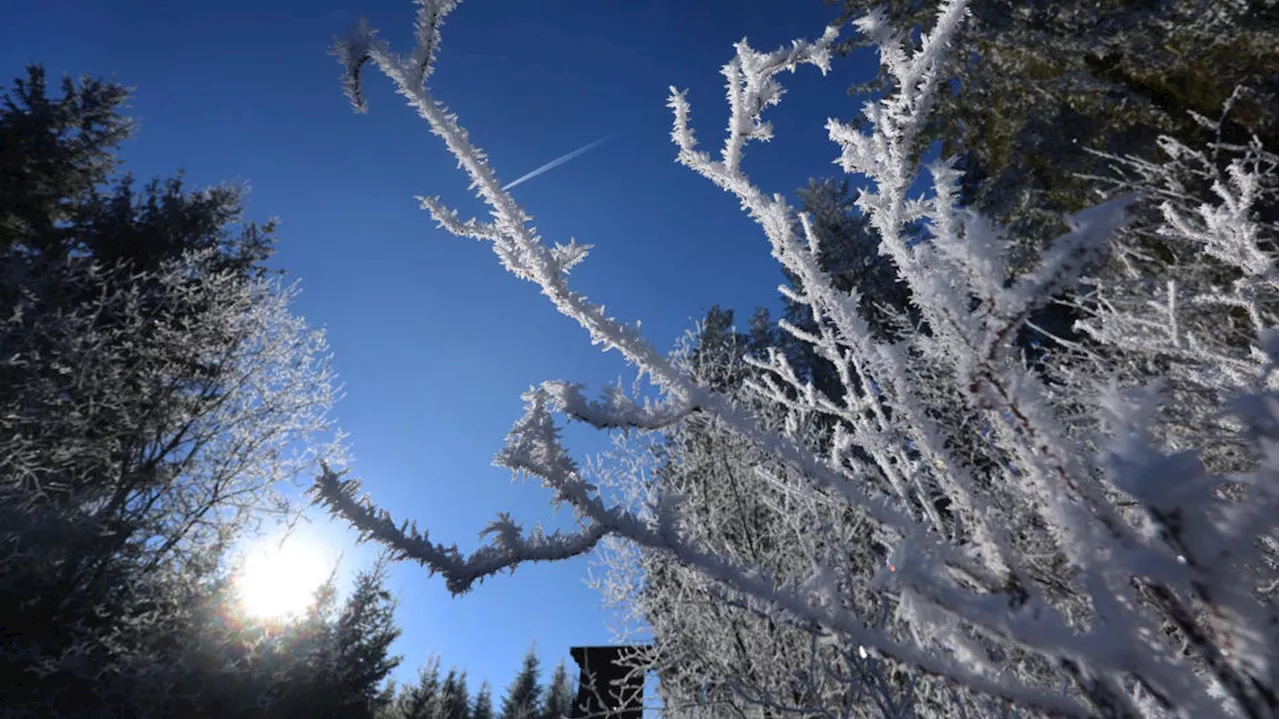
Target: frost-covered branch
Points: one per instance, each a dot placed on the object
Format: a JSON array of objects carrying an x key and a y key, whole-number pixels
[{"x": 1055, "y": 570}]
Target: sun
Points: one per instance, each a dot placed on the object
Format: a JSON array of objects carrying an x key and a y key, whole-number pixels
[{"x": 279, "y": 579}]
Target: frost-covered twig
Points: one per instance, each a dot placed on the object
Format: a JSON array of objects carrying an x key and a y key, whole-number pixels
[{"x": 963, "y": 578}]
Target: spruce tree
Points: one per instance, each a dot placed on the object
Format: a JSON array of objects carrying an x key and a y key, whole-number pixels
[
  {"x": 558, "y": 703},
  {"x": 60, "y": 195},
  {"x": 363, "y": 634},
  {"x": 334, "y": 661},
  {"x": 454, "y": 700},
  {"x": 482, "y": 704},
  {"x": 420, "y": 700},
  {"x": 55, "y": 154},
  {"x": 523, "y": 696}
]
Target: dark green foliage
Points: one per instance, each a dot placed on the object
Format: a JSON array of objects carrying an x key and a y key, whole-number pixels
[
  {"x": 366, "y": 628},
  {"x": 524, "y": 695},
  {"x": 432, "y": 697},
  {"x": 54, "y": 156},
  {"x": 331, "y": 662},
  {"x": 560, "y": 694},
  {"x": 720, "y": 345},
  {"x": 849, "y": 253},
  {"x": 337, "y": 659},
  {"x": 59, "y": 195},
  {"x": 454, "y": 699},
  {"x": 419, "y": 700},
  {"x": 191, "y": 653},
  {"x": 482, "y": 704}
]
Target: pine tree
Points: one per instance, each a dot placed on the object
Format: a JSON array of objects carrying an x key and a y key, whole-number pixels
[
  {"x": 523, "y": 699},
  {"x": 558, "y": 703},
  {"x": 60, "y": 196}
]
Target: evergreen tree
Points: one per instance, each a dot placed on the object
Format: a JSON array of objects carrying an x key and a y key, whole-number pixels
[
  {"x": 363, "y": 634},
  {"x": 55, "y": 154},
  {"x": 558, "y": 703},
  {"x": 334, "y": 660},
  {"x": 455, "y": 703},
  {"x": 482, "y": 704},
  {"x": 386, "y": 704},
  {"x": 59, "y": 196},
  {"x": 420, "y": 700},
  {"x": 523, "y": 699}
]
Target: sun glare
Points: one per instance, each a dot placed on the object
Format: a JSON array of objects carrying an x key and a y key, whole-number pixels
[{"x": 280, "y": 579}]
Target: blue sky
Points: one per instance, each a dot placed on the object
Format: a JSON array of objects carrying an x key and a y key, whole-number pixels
[{"x": 433, "y": 340}]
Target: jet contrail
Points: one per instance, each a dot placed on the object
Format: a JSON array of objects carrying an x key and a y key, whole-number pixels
[{"x": 559, "y": 161}]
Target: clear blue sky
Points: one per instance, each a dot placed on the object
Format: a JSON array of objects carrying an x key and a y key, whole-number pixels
[{"x": 433, "y": 340}]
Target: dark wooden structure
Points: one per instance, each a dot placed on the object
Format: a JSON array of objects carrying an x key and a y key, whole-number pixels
[{"x": 608, "y": 685}]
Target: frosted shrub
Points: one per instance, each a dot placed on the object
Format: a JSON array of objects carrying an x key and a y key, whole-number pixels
[{"x": 148, "y": 419}]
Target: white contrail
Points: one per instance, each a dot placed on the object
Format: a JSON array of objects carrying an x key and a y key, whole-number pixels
[{"x": 559, "y": 161}]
